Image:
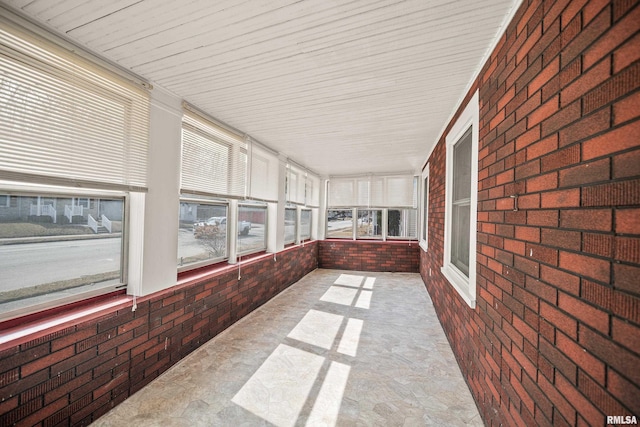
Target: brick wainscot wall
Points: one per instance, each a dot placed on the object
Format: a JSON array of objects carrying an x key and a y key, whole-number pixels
[{"x": 74, "y": 373}]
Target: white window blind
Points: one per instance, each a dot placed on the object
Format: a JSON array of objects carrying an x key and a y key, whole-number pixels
[
  {"x": 401, "y": 191},
  {"x": 263, "y": 173},
  {"x": 373, "y": 191},
  {"x": 303, "y": 187},
  {"x": 341, "y": 192},
  {"x": 377, "y": 191},
  {"x": 312, "y": 192},
  {"x": 214, "y": 159},
  {"x": 296, "y": 183},
  {"x": 363, "y": 196},
  {"x": 66, "y": 120}
]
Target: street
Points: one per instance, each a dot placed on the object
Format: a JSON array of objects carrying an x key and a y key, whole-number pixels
[
  {"x": 31, "y": 264},
  {"x": 340, "y": 228}
]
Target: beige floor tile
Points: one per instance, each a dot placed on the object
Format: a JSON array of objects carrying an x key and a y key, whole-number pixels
[{"x": 335, "y": 349}]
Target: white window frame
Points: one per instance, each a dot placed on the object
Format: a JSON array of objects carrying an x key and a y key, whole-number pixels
[
  {"x": 465, "y": 286},
  {"x": 424, "y": 209},
  {"x": 383, "y": 218},
  {"x": 384, "y": 233},
  {"x": 294, "y": 238},
  {"x": 302, "y": 236},
  {"x": 209, "y": 261},
  {"x": 58, "y": 298},
  {"x": 232, "y": 230},
  {"x": 388, "y": 236}
]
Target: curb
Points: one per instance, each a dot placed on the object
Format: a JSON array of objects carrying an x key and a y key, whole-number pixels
[{"x": 43, "y": 239}]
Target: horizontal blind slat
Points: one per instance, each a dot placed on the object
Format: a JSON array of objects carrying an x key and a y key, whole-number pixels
[
  {"x": 373, "y": 191},
  {"x": 214, "y": 160},
  {"x": 264, "y": 174},
  {"x": 63, "y": 117}
]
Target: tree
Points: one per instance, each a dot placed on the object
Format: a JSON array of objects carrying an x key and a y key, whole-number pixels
[{"x": 213, "y": 239}]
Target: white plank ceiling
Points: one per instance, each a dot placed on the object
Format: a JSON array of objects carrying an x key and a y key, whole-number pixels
[{"x": 342, "y": 87}]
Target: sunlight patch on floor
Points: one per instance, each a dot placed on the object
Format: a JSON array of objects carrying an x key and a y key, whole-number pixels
[
  {"x": 349, "y": 280},
  {"x": 351, "y": 337},
  {"x": 317, "y": 328},
  {"x": 327, "y": 405},
  {"x": 339, "y": 295},
  {"x": 280, "y": 387}
]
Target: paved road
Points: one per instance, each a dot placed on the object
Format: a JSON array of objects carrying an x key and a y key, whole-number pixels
[
  {"x": 340, "y": 228},
  {"x": 33, "y": 264},
  {"x": 26, "y": 265}
]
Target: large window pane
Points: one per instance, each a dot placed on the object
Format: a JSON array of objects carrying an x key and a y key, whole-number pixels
[
  {"x": 54, "y": 247},
  {"x": 460, "y": 237},
  {"x": 425, "y": 206},
  {"x": 462, "y": 168},
  {"x": 252, "y": 225},
  {"x": 369, "y": 224},
  {"x": 202, "y": 232},
  {"x": 305, "y": 224},
  {"x": 402, "y": 223},
  {"x": 339, "y": 224},
  {"x": 460, "y": 214},
  {"x": 290, "y": 216}
]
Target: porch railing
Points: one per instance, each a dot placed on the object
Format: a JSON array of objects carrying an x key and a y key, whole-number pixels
[
  {"x": 106, "y": 223},
  {"x": 93, "y": 224},
  {"x": 70, "y": 211},
  {"x": 45, "y": 210}
]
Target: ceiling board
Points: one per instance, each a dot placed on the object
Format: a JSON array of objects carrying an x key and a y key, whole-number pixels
[{"x": 340, "y": 86}]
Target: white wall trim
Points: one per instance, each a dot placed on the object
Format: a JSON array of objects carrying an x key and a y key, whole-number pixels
[
  {"x": 424, "y": 210},
  {"x": 466, "y": 286}
]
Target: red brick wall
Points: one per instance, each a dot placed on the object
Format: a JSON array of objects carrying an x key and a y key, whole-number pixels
[
  {"x": 76, "y": 374},
  {"x": 367, "y": 255},
  {"x": 555, "y": 336}
]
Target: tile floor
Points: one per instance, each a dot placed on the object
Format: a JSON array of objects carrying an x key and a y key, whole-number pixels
[{"x": 337, "y": 348}]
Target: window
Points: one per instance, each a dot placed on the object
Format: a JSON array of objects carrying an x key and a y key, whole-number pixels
[
  {"x": 252, "y": 224},
  {"x": 67, "y": 123},
  {"x": 85, "y": 202},
  {"x": 58, "y": 255},
  {"x": 386, "y": 207},
  {"x": 340, "y": 224},
  {"x": 71, "y": 112},
  {"x": 263, "y": 171},
  {"x": 369, "y": 224},
  {"x": 305, "y": 224},
  {"x": 302, "y": 187},
  {"x": 290, "y": 217},
  {"x": 312, "y": 191},
  {"x": 202, "y": 233},
  {"x": 424, "y": 235},
  {"x": 402, "y": 223},
  {"x": 461, "y": 203},
  {"x": 214, "y": 159}
]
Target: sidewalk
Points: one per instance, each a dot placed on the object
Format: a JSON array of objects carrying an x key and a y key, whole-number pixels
[{"x": 42, "y": 239}]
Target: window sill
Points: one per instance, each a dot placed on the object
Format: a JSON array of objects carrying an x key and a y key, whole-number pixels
[
  {"x": 363, "y": 241},
  {"x": 39, "y": 328},
  {"x": 424, "y": 245},
  {"x": 200, "y": 264},
  {"x": 205, "y": 273},
  {"x": 460, "y": 283}
]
